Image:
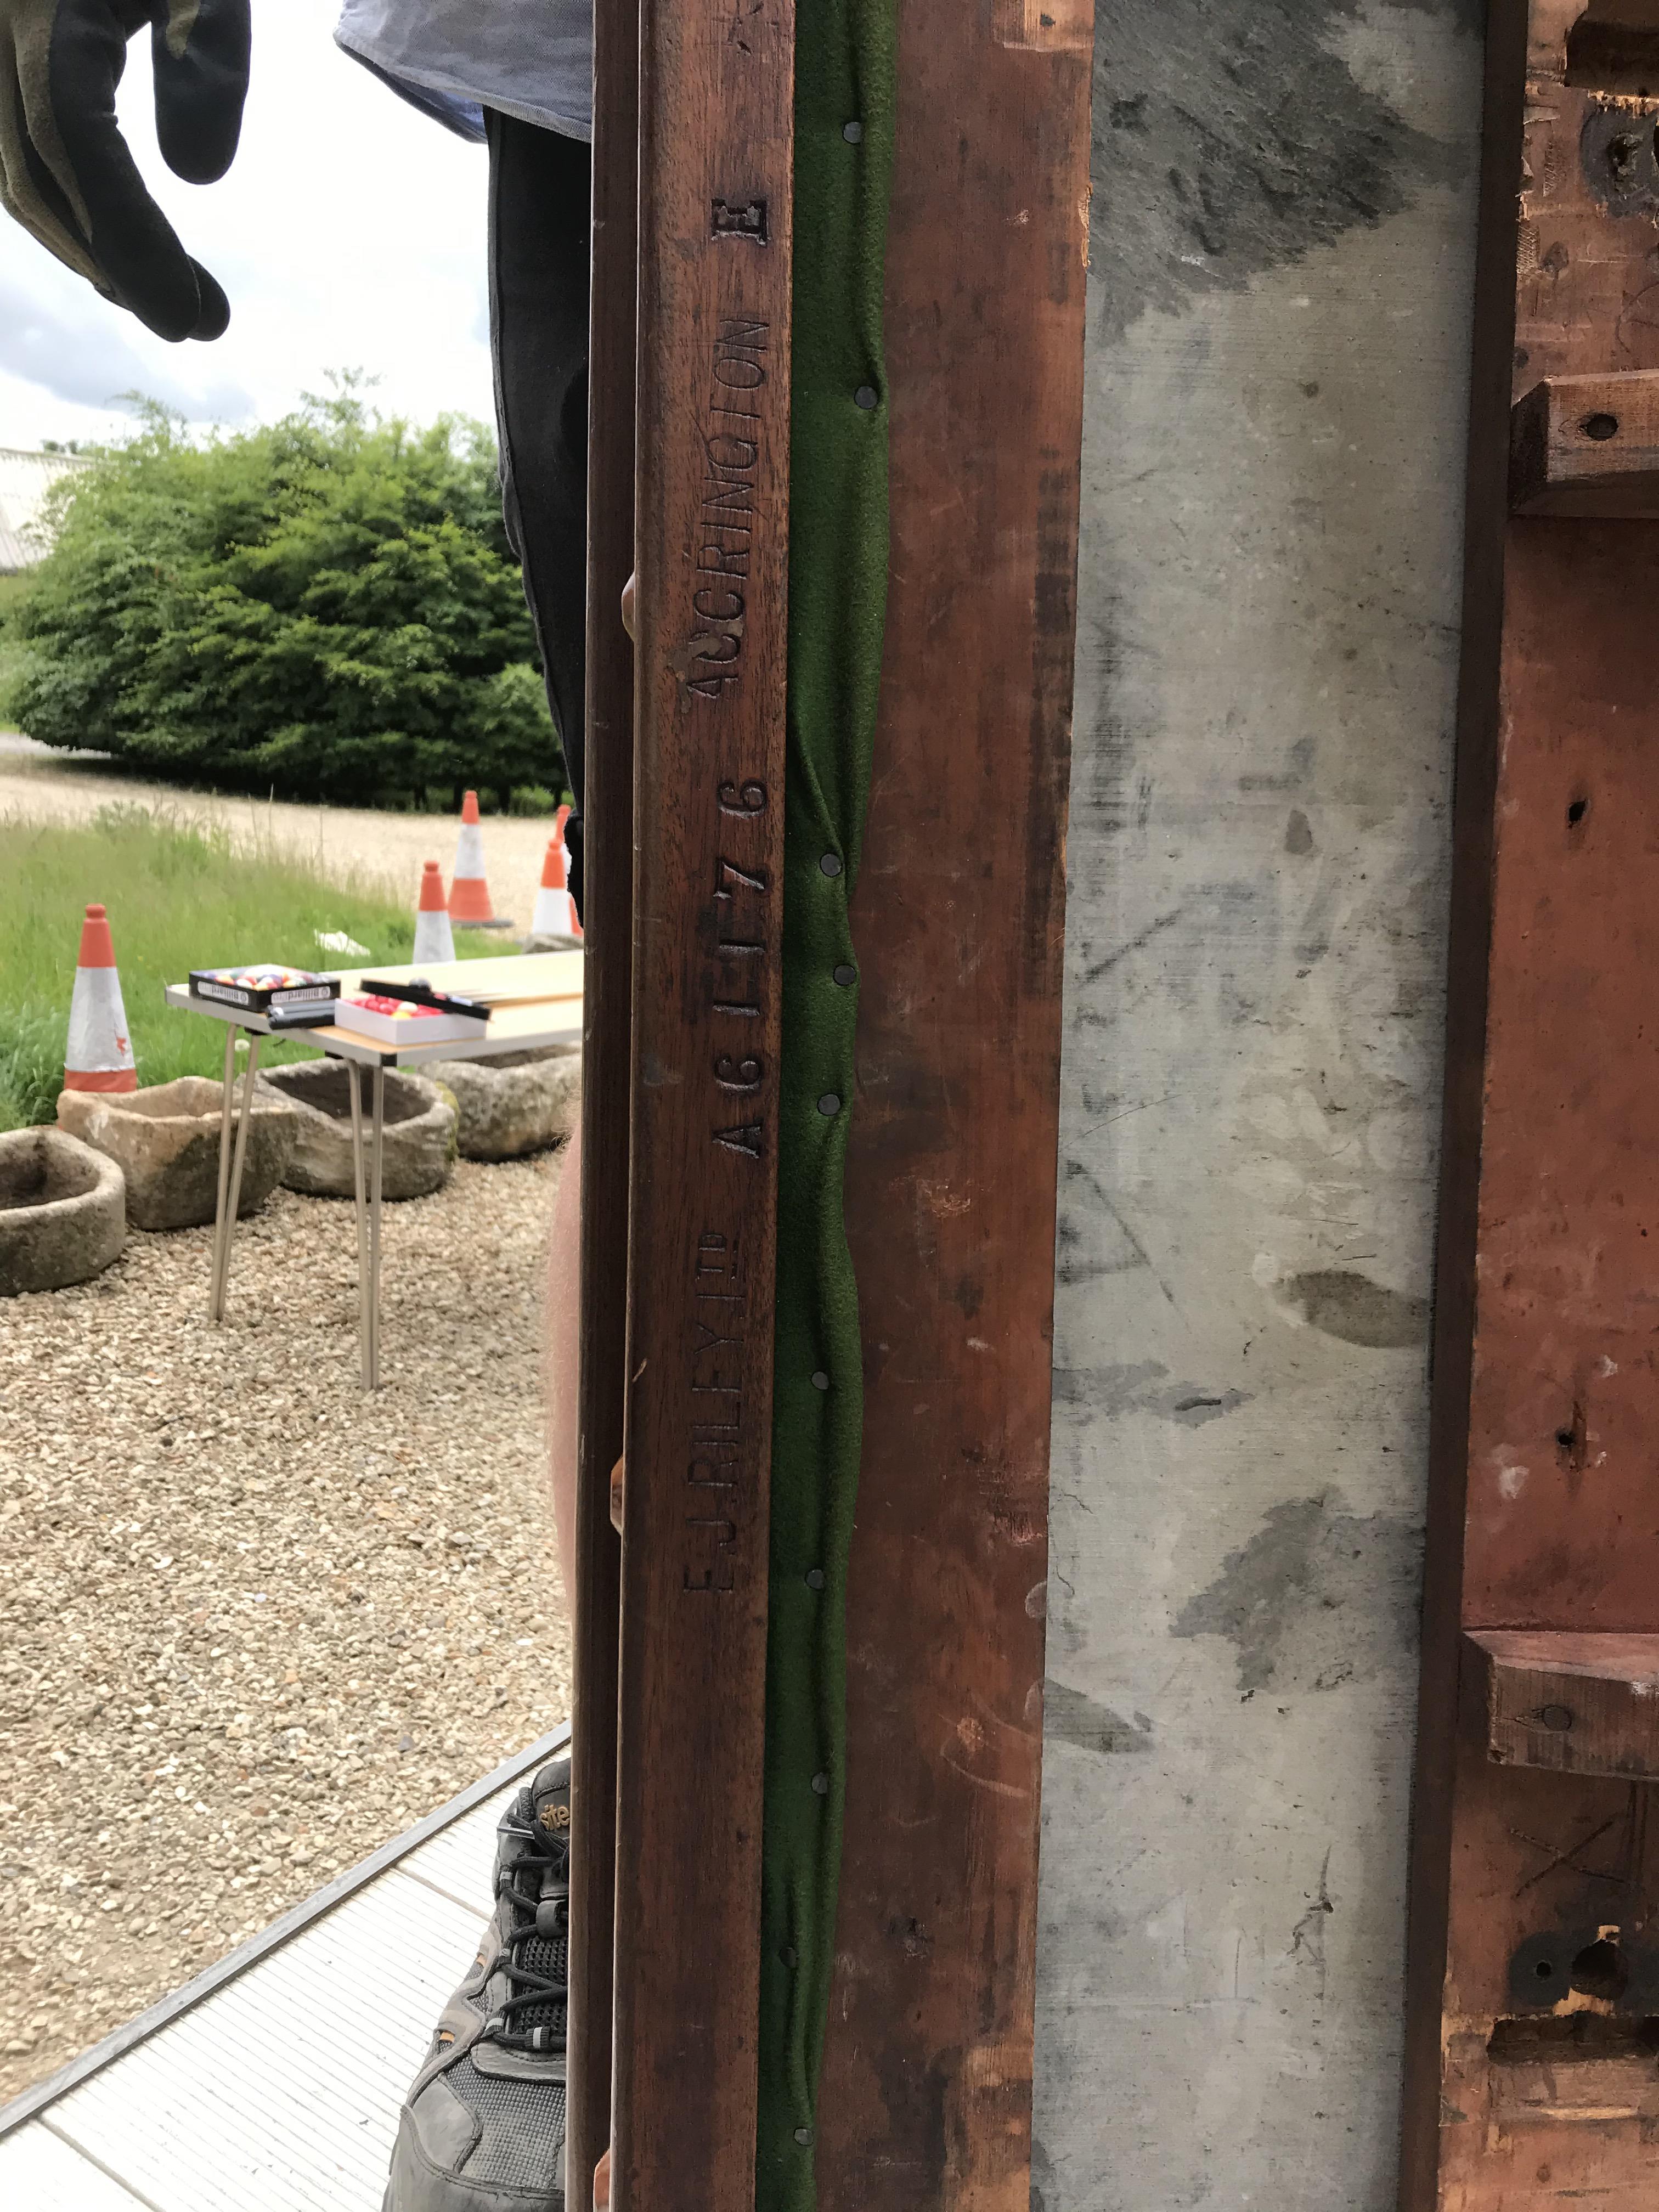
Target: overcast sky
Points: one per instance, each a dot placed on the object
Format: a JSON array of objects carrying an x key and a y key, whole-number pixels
[{"x": 349, "y": 234}]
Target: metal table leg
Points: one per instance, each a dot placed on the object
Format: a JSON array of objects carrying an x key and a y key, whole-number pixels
[
  {"x": 365, "y": 1330},
  {"x": 215, "y": 1306},
  {"x": 374, "y": 1228},
  {"x": 235, "y": 1195}
]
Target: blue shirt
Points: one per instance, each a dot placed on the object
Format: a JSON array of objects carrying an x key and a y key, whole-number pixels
[{"x": 453, "y": 59}]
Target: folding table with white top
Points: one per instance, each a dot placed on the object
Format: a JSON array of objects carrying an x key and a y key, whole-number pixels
[{"x": 535, "y": 1000}]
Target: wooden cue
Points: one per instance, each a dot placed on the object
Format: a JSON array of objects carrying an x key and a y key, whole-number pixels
[{"x": 716, "y": 133}]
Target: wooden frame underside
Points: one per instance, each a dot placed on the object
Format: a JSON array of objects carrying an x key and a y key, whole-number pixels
[
  {"x": 950, "y": 1194},
  {"x": 711, "y": 550},
  {"x": 1530, "y": 2069},
  {"x": 958, "y": 918}
]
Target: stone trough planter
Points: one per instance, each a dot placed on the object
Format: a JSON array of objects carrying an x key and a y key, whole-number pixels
[
  {"x": 417, "y": 1151},
  {"x": 522, "y": 1103},
  {"x": 63, "y": 1210},
  {"x": 166, "y": 1141}
]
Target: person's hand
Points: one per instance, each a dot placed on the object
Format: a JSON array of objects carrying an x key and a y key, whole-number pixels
[
  {"x": 602, "y": 2184},
  {"x": 65, "y": 172}
]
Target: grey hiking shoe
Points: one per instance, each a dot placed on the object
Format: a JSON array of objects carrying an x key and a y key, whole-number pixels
[{"x": 483, "y": 2127}]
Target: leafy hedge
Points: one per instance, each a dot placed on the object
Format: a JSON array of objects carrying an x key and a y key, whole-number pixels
[{"x": 326, "y": 608}]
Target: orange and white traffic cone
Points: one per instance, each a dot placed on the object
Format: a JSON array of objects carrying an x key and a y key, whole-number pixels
[
  {"x": 469, "y": 894},
  {"x": 433, "y": 938},
  {"x": 556, "y": 912},
  {"x": 99, "y": 1055}
]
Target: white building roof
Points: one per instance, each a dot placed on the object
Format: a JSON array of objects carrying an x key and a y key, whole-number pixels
[{"x": 25, "y": 480}]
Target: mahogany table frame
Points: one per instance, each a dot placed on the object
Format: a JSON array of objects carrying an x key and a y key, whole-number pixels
[
  {"x": 1533, "y": 1983},
  {"x": 950, "y": 1200}
]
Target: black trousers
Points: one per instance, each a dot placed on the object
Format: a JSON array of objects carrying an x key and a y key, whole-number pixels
[{"x": 540, "y": 208}]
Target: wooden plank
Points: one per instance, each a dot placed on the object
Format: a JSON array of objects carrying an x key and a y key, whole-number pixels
[
  {"x": 510, "y": 1029},
  {"x": 1573, "y": 1703},
  {"x": 1581, "y": 2068},
  {"x": 716, "y": 109},
  {"x": 1587, "y": 444},
  {"x": 607, "y": 1051},
  {"x": 950, "y": 1186},
  {"x": 527, "y": 979},
  {"x": 1543, "y": 1427},
  {"x": 552, "y": 975}
]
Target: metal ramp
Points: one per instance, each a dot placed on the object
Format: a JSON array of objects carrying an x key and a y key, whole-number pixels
[{"x": 271, "y": 2083}]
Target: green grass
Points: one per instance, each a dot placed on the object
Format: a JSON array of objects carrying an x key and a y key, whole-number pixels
[{"x": 177, "y": 899}]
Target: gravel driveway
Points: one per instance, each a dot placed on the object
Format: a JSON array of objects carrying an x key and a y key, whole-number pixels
[{"x": 252, "y": 1623}]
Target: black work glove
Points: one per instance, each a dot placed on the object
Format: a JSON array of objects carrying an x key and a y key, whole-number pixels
[{"x": 65, "y": 172}]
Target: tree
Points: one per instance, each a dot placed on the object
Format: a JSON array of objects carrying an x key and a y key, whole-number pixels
[{"x": 327, "y": 607}]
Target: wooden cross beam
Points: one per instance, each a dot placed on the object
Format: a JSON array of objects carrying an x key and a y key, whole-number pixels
[{"x": 1533, "y": 1976}]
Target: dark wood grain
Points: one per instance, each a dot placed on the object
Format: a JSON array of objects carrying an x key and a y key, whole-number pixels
[
  {"x": 951, "y": 1176},
  {"x": 1614, "y": 45},
  {"x": 1571, "y": 1703},
  {"x": 1587, "y": 446},
  {"x": 716, "y": 91},
  {"x": 1544, "y": 1422},
  {"x": 1585, "y": 2070},
  {"x": 607, "y": 1045}
]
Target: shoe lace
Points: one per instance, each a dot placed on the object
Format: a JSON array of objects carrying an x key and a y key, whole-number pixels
[{"x": 536, "y": 1957}]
